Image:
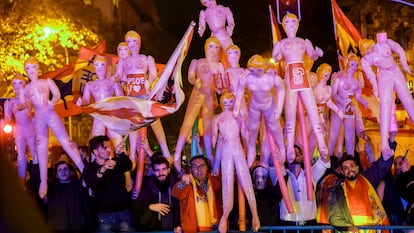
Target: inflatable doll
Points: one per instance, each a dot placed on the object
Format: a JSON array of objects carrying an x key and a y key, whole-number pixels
[
  {"x": 229, "y": 82},
  {"x": 202, "y": 73},
  {"x": 323, "y": 97},
  {"x": 227, "y": 128},
  {"x": 292, "y": 49},
  {"x": 390, "y": 79},
  {"x": 37, "y": 93},
  {"x": 261, "y": 103},
  {"x": 346, "y": 89},
  {"x": 139, "y": 71},
  {"x": 100, "y": 89},
  {"x": 24, "y": 132},
  {"x": 220, "y": 21}
]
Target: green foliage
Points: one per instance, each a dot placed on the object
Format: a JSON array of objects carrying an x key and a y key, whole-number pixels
[{"x": 52, "y": 31}]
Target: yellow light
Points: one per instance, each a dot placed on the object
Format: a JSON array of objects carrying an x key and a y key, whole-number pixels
[
  {"x": 271, "y": 60},
  {"x": 7, "y": 128},
  {"x": 47, "y": 31}
]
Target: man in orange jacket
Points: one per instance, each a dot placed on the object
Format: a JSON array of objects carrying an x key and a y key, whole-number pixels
[{"x": 200, "y": 197}]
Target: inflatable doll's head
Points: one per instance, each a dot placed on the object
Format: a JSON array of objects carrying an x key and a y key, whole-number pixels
[
  {"x": 351, "y": 62},
  {"x": 123, "y": 50},
  {"x": 324, "y": 71},
  {"x": 365, "y": 46},
  {"x": 212, "y": 48},
  {"x": 133, "y": 39},
  {"x": 233, "y": 54},
  {"x": 290, "y": 24}
]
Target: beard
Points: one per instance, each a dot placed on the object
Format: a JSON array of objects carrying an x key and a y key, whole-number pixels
[
  {"x": 164, "y": 183},
  {"x": 352, "y": 177}
]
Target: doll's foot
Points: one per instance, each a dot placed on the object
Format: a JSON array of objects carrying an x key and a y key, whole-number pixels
[
  {"x": 255, "y": 224},
  {"x": 43, "y": 190},
  {"x": 222, "y": 227}
]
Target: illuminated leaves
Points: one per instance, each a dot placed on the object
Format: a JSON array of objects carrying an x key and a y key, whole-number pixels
[{"x": 49, "y": 30}]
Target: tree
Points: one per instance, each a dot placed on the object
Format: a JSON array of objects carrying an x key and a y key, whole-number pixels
[
  {"x": 373, "y": 16},
  {"x": 49, "y": 30}
]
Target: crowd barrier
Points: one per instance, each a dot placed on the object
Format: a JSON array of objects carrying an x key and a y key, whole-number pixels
[{"x": 319, "y": 229}]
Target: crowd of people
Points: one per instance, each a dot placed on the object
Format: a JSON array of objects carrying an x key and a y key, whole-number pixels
[{"x": 103, "y": 187}]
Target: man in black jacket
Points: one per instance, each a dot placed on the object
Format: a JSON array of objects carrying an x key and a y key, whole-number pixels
[
  {"x": 155, "y": 209},
  {"x": 105, "y": 176}
]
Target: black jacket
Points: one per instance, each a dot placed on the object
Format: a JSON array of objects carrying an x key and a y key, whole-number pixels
[{"x": 153, "y": 192}]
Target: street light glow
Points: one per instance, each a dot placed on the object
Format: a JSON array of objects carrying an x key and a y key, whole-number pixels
[
  {"x": 47, "y": 31},
  {"x": 7, "y": 128}
]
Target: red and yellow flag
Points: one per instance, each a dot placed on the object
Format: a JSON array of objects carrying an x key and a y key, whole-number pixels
[
  {"x": 346, "y": 35},
  {"x": 276, "y": 35}
]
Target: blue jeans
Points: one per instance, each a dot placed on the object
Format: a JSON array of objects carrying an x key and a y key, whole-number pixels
[{"x": 115, "y": 221}]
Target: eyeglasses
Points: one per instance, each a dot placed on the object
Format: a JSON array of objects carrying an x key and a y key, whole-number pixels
[{"x": 198, "y": 167}]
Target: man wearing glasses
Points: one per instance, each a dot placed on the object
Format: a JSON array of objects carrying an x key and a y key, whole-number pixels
[{"x": 200, "y": 197}]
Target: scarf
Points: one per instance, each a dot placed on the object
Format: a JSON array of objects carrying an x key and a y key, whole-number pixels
[
  {"x": 204, "y": 205},
  {"x": 363, "y": 203}
]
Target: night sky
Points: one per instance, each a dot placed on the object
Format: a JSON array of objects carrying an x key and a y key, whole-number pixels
[{"x": 252, "y": 31}]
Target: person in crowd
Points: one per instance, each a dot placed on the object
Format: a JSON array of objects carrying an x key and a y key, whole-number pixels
[
  {"x": 292, "y": 49},
  {"x": 37, "y": 93},
  {"x": 391, "y": 200},
  {"x": 304, "y": 209},
  {"x": 263, "y": 103},
  {"x": 199, "y": 194},
  {"x": 227, "y": 129},
  {"x": 85, "y": 155},
  {"x": 220, "y": 21},
  {"x": 155, "y": 209},
  {"x": 67, "y": 201},
  {"x": 405, "y": 185},
  {"x": 353, "y": 201},
  {"x": 23, "y": 133},
  {"x": 267, "y": 197},
  {"x": 202, "y": 74},
  {"x": 329, "y": 179},
  {"x": 18, "y": 211},
  {"x": 388, "y": 80},
  {"x": 105, "y": 176}
]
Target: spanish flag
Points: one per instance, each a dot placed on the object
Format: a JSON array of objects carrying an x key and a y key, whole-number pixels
[{"x": 346, "y": 35}]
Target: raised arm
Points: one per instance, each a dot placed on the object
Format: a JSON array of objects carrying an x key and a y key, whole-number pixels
[
  {"x": 401, "y": 53},
  {"x": 313, "y": 53},
  {"x": 201, "y": 23},
  {"x": 366, "y": 67},
  {"x": 230, "y": 21}
]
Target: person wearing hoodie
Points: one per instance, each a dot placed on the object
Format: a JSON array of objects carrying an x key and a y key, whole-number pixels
[{"x": 155, "y": 209}]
